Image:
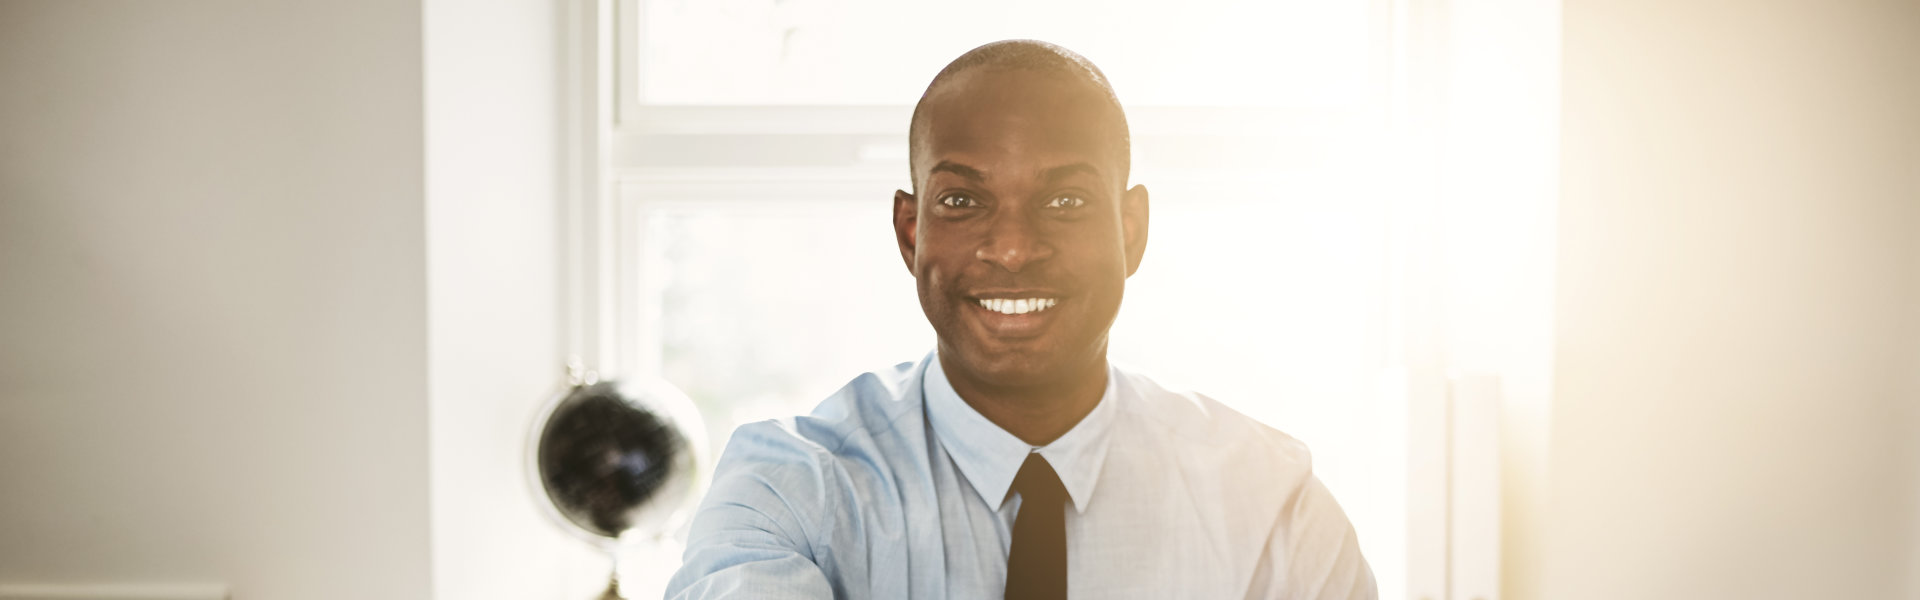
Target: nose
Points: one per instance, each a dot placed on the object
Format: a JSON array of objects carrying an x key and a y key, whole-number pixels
[{"x": 1013, "y": 242}]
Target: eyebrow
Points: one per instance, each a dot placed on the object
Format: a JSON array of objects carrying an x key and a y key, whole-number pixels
[
  {"x": 1056, "y": 174},
  {"x": 957, "y": 169},
  {"x": 1050, "y": 175}
]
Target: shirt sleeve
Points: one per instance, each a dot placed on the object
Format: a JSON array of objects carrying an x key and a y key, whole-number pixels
[
  {"x": 749, "y": 538},
  {"x": 1312, "y": 553}
]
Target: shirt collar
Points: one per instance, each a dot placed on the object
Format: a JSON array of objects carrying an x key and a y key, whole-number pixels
[{"x": 990, "y": 457}]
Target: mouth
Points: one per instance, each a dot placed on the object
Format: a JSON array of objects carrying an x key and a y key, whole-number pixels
[
  {"x": 1015, "y": 313},
  {"x": 1017, "y": 306}
]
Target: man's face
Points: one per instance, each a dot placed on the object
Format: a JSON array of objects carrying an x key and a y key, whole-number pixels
[{"x": 1022, "y": 233}]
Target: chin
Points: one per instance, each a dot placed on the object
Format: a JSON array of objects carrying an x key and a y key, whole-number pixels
[
  {"x": 1017, "y": 365},
  {"x": 1014, "y": 369}
]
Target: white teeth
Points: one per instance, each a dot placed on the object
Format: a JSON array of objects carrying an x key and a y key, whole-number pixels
[{"x": 1010, "y": 306}]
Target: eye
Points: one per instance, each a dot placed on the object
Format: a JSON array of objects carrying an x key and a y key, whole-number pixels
[
  {"x": 1066, "y": 201},
  {"x": 959, "y": 201}
]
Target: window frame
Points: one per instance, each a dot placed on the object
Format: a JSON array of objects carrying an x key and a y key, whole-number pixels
[{"x": 609, "y": 193}]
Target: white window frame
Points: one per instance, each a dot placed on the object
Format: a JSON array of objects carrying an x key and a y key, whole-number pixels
[{"x": 1453, "y": 486}]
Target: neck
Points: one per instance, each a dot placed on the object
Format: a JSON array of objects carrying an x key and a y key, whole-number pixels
[{"x": 1037, "y": 414}]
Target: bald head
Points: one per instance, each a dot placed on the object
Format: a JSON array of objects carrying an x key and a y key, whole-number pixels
[{"x": 1027, "y": 57}]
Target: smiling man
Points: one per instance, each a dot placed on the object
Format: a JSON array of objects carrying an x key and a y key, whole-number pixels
[{"x": 1014, "y": 460}]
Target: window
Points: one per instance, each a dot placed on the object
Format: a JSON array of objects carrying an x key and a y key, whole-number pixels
[{"x": 755, "y": 144}]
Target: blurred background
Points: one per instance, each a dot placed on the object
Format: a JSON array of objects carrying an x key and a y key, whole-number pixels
[{"x": 1571, "y": 299}]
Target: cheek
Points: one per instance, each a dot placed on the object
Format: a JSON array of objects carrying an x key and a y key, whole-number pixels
[
  {"x": 1093, "y": 257},
  {"x": 938, "y": 263},
  {"x": 1101, "y": 274},
  {"x": 931, "y": 280}
]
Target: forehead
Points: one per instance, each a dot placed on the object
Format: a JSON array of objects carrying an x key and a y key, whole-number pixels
[{"x": 1003, "y": 120}]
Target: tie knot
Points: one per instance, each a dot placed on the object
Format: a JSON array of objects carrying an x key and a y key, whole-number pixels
[{"x": 1037, "y": 481}]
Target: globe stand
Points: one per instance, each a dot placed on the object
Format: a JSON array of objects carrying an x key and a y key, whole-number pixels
[{"x": 613, "y": 588}]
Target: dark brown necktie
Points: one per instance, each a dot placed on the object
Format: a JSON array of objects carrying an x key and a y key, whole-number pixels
[{"x": 1037, "y": 564}]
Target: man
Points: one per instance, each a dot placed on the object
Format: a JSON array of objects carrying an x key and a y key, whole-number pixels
[{"x": 1014, "y": 460}]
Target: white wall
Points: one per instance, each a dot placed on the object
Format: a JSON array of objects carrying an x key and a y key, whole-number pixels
[
  {"x": 213, "y": 296},
  {"x": 1738, "y": 295},
  {"x": 493, "y": 183}
]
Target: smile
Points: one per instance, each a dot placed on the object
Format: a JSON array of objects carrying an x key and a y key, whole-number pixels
[{"x": 1017, "y": 306}]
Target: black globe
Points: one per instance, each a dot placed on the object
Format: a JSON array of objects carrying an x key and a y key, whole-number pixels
[{"x": 614, "y": 459}]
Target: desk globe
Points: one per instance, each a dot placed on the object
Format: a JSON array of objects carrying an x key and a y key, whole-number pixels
[{"x": 621, "y": 462}]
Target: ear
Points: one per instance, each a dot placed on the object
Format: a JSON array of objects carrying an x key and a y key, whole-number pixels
[
  {"x": 1133, "y": 225},
  {"x": 906, "y": 225}
]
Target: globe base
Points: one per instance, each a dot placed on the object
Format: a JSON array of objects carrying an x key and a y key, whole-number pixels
[{"x": 613, "y": 590}]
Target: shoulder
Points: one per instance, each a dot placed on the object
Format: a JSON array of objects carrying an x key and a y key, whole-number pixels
[
  {"x": 797, "y": 461},
  {"x": 1252, "y": 468},
  {"x": 1199, "y": 421},
  {"x": 869, "y": 405},
  {"x": 1257, "y": 475}
]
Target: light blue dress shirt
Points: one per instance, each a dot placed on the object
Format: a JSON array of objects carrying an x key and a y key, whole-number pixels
[{"x": 895, "y": 487}]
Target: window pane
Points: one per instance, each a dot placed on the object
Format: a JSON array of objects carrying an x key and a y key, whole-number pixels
[
  {"x": 1272, "y": 304},
  {"x": 1291, "y": 53},
  {"x": 765, "y": 312}
]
